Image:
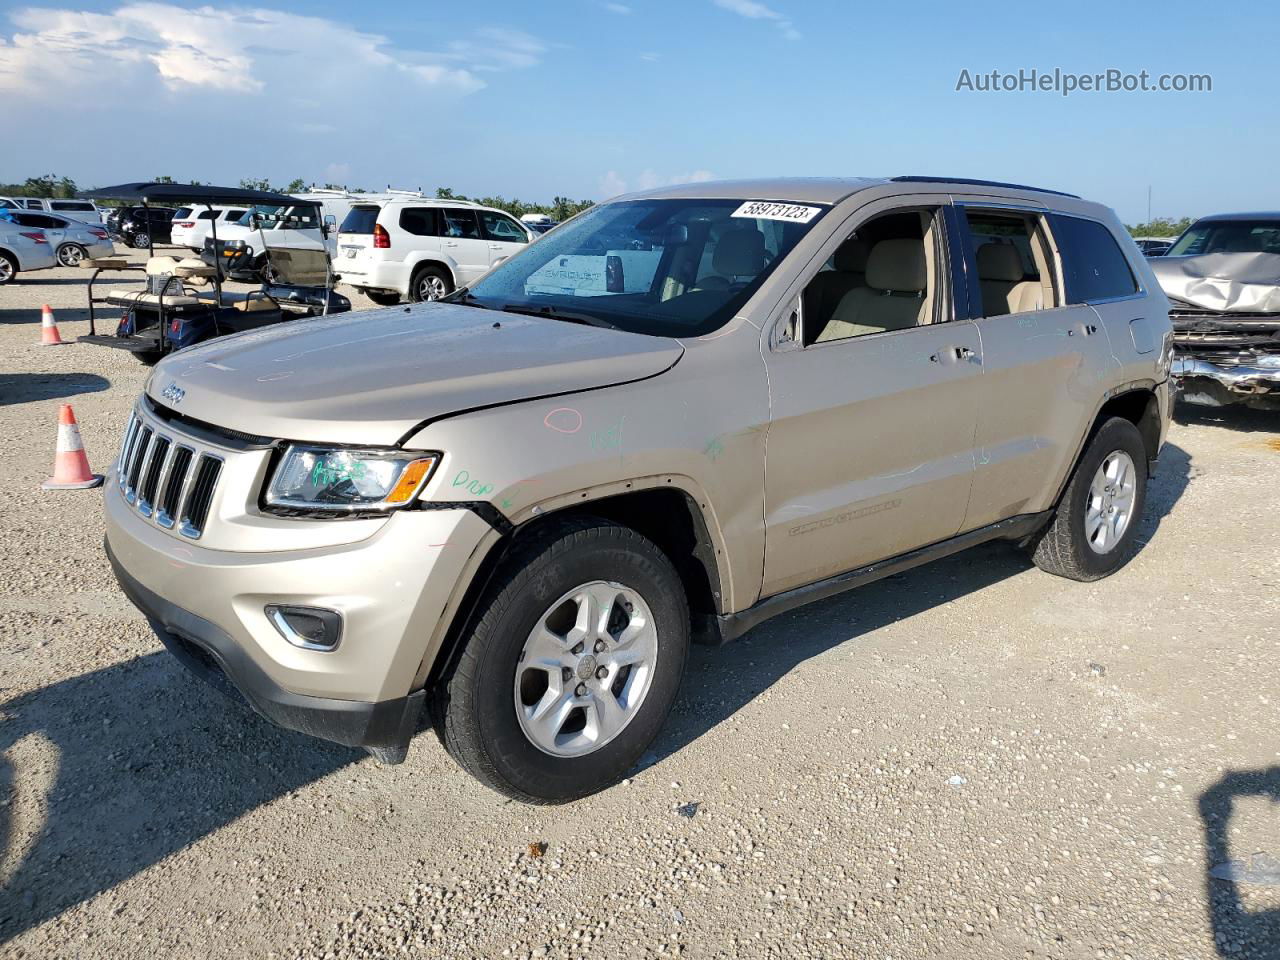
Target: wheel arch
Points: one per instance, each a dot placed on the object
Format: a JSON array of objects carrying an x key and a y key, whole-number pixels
[
  {"x": 673, "y": 517},
  {"x": 1136, "y": 402},
  {"x": 430, "y": 259}
]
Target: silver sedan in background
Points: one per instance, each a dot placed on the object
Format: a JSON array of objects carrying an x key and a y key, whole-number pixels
[{"x": 72, "y": 240}]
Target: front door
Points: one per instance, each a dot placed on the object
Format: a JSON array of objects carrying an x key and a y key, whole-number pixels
[
  {"x": 504, "y": 236},
  {"x": 874, "y": 403}
]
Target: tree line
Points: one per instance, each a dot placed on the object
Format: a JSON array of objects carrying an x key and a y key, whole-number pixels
[{"x": 51, "y": 185}]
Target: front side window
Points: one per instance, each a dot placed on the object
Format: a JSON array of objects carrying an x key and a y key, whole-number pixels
[
  {"x": 1093, "y": 265},
  {"x": 500, "y": 228},
  {"x": 1228, "y": 236},
  {"x": 673, "y": 267},
  {"x": 880, "y": 279}
]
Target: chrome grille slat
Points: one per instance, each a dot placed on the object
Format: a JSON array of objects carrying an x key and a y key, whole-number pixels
[
  {"x": 173, "y": 485},
  {"x": 127, "y": 456},
  {"x": 135, "y": 467},
  {"x": 129, "y": 429},
  {"x": 150, "y": 476},
  {"x": 195, "y": 511}
]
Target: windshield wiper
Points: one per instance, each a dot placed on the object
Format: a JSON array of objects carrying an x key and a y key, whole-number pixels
[
  {"x": 466, "y": 298},
  {"x": 555, "y": 314}
]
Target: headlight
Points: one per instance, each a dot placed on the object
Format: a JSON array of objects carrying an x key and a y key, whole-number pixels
[{"x": 348, "y": 481}]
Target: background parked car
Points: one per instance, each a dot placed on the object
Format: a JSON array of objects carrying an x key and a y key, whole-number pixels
[
  {"x": 1154, "y": 246},
  {"x": 22, "y": 249},
  {"x": 85, "y": 210},
  {"x": 133, "y": 225},
  {"x": 423, "y": 249},
  {"x": 71, "y": 240},
  {"x": 192, "y": 224}
]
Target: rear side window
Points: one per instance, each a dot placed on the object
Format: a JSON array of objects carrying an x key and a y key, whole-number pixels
[
  {"x": 420, "y": 221},
  {"x": 182, "y": 213},
  {"x": 359, "y": 220},
  {"x": 71, "y": 205},
  {"x": 1093, "y": 265},
  {"x": 160, "y": 214},
  {"x": 34, "y": 205},
  {"x": 231, "y": 216},
  {"x": 460, "y": 223}
]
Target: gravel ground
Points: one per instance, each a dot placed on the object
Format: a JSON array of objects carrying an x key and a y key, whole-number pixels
[{"x": 973, "y": 759}]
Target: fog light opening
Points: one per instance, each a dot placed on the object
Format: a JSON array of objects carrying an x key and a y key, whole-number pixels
[{"x": 311, "y": 628}]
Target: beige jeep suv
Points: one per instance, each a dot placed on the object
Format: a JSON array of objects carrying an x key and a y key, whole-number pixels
[{"x": 680, "y": 413}]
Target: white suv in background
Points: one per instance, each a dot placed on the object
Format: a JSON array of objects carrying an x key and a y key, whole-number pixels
[
  {"x": 192, "y": 224},
  {"x": 421, "y": 249}
]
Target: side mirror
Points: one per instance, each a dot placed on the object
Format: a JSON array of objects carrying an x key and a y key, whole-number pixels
[{"x": 330, "y": 220}]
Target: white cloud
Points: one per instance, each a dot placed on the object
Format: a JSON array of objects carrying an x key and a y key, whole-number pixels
[
  {"x": 619, "y": 8},
  {"x": 613, "y": 183},
  {"x": 650, "y": 57},
  {"x": 753, "y": 10},
  {"x": 236, "y": 50},
  {"x": 337, "y": 172}
]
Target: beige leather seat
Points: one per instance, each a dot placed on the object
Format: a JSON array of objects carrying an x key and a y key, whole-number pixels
[
  {"x": 138, "y": 296},
  {"x": 827, "y": 288},
  {"x": 1000, "y": 277},
  {"x": 246, "y": 302},
  {"x": 739, "y": 253},
  {"x": 893, "y": 298}
]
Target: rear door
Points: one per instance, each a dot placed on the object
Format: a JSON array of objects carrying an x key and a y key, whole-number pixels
[
  {"x": 1043, "y": 367},
  {"x": 504, "y": 235},
  {"x": 462, "y": 242}
]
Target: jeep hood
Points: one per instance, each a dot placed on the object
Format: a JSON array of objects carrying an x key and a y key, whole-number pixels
[
  {"x": 1223, "y": 282},
  {"x": 372, "y": 377}
]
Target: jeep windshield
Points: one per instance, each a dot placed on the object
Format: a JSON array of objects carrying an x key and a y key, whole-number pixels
[{"x": 676, "y": 267}]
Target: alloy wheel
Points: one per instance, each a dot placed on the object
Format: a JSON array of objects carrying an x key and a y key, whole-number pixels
[
  {"x": 70, "y": 255},
  {"x": 585, "y": 669},
  {"x": 431, "y": 287},
  {"x": 1108, "y": 509}
]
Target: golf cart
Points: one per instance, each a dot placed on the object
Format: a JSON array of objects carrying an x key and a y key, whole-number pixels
[{"x": 181, "y": 301}]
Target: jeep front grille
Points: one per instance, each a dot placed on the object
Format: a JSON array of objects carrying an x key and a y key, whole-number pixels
[{"x": 166, "y": 479}]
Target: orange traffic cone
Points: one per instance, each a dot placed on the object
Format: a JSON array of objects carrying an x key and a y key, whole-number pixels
[
  {"x": 70, "y": 465},
  {"x": 49, "y": 329}
]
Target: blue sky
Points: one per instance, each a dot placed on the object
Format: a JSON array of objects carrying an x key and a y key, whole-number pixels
[{"x": 586, "y": 98}]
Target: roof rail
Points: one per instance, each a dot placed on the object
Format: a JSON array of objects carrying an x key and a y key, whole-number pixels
[{"x": 983, "y": 183}]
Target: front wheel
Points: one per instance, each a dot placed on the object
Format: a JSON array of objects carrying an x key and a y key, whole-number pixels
[
  {"x": 571, "y": 666},
  {"x": 1094, "y": 531},
  {"x": 70, "y": 254},
  {"x": 8, "y": 268},
  {"x": 430, "y": 283}
]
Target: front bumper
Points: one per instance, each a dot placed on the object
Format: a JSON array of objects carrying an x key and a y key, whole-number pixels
[
  {"x": 211, "y": 654},
  {"x": 1213, "y": 384}
]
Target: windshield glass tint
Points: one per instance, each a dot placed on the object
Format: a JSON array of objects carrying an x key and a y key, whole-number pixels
[
  {"x": 1228, "y": 236},
  {"x": 678, "y": 267}
]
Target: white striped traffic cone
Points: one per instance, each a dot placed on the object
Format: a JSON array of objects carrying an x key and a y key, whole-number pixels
[
  {"x": 49, "y": 328},
  {"x": 70, "y": 464}
]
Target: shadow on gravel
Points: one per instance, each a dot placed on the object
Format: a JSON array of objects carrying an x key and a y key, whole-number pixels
[
  {"x": 29, "y": 387},
  {"x": 1242, "y": 419},
  {"x": 1238, "y": 932},
  {"x": 21, "y": 315},
  {"x": 722, "y": 680},
  {"x": 117, "y": 769}
]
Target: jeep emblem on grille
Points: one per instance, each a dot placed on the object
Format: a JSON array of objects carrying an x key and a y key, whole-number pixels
[{"x": 173, "y": 393}]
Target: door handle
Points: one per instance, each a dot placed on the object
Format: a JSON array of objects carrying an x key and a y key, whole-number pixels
[
  {"x": 960, "y": 353},
  {"x": 450, "y": 243},
  {"x": 963, "y": 353}
]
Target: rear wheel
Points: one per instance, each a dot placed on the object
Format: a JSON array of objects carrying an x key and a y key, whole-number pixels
[
  {"x": 70, "y": 254},
  {"x": 383, "y": 298},
  {"x": 430, "y": 283},
  {"x": 8, "y": 268},
  {"x": 140, "y": 241},
  {"x": 571, "y": 667},
  {"x": 1094, "y": 531}
]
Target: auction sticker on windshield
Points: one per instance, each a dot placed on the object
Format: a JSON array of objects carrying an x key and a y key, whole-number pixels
[{"x": 769, "y": 210}]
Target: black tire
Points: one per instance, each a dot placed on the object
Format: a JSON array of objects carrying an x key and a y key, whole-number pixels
[
  {"x": 426, "y": 277},
  {"x": 383, "y": 298},
  {"x": 1063, "y": 547},
  {"x": 149, "y": 358},
  {"x": 8, "y": 268},
  {"x": 473, "y": 707},
  {"x": 140, "y": 241}
]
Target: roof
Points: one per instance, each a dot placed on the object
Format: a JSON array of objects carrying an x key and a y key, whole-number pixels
[
  {"x": 1261, "y": 215},
  {"x": 829, "y": 190},
  {"x": 187, "y": 193}
]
